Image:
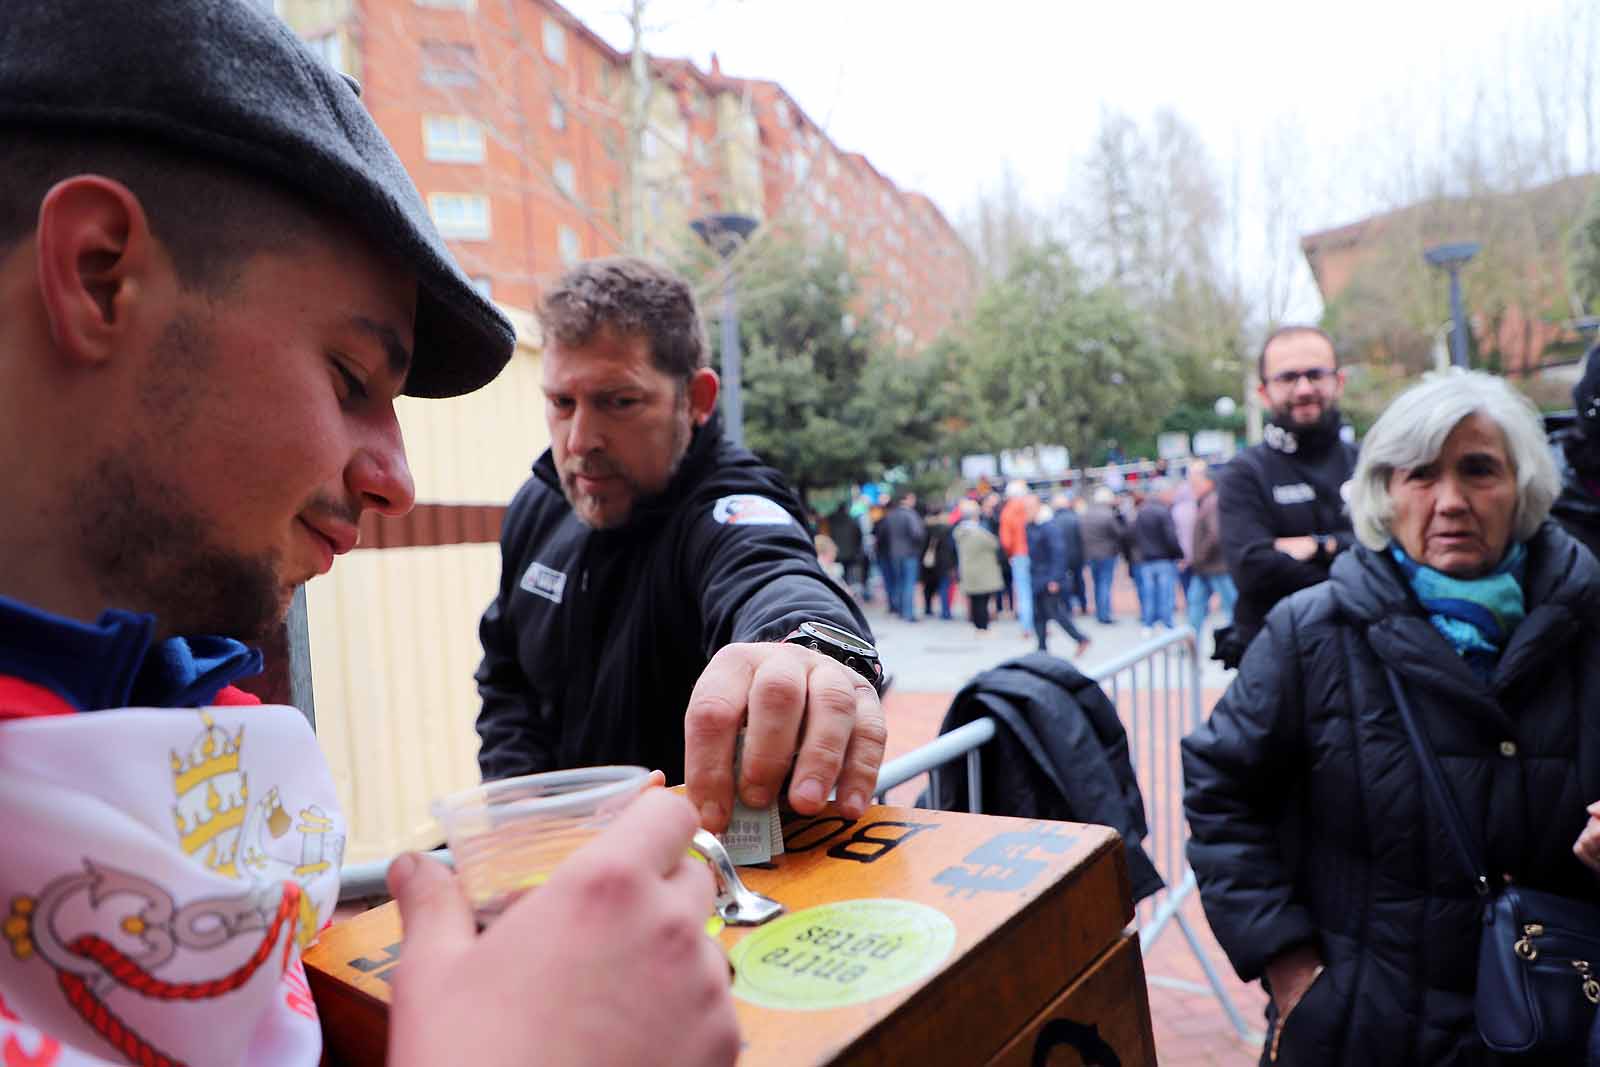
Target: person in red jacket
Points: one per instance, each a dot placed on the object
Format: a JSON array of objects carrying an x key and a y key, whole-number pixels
[{"x": 1015, "y": 516}]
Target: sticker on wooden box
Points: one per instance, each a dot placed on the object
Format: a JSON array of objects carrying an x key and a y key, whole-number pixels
[{"x": 839, "y": 954}]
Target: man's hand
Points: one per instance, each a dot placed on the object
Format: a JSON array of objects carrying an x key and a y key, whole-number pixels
[
  {"x": 1300, "y": 548},
  {"x": 789, "y": 700},
  {"x": 1587, "y": 847},
  {"x": 607, "y": 963},
  {"x": 1052, "y": 587},
  {"x": 1290, "y": 974}
]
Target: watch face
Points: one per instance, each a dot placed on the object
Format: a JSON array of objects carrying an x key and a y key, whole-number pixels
[{"x": 844, "y": 638}]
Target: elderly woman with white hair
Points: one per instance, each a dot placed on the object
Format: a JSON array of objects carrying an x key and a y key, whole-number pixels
[{"x": 1325, "y": 864}]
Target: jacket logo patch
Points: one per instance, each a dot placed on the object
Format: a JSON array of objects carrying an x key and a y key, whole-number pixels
[
  {"x": 543, "y": 581},
  {"x": 1299, "y": 493},
  {"x": 750, "y": 510}
]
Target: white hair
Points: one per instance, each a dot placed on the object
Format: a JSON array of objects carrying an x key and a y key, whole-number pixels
[
  {"x": 1103, "y": 495},
  {"x": 1412, "y": 431}
]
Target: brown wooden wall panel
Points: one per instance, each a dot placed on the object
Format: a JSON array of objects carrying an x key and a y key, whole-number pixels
[{"x": 428, "y": 525}]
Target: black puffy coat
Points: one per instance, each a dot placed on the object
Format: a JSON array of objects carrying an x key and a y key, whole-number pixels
[{"x": 1310, "y": 816}]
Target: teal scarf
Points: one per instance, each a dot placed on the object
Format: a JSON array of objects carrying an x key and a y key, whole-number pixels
[{"x": 1475, "y": 615}]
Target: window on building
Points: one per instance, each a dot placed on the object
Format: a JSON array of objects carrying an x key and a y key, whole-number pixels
[
  {"x": 567, "y": 243},
  {"x": 329, "y": 47},
  {"x": 558, "y": 115},
  {"x": 650, "y": 145},
  {"x": 460, "y": 216},
  {"x": 485, "y": 286},
  {"x": 566, "y": 177},
  {"x": 446, "y": 65},
  {"x": 452, "y": 139},
  {"x": 699, "y": 148},
  {"x": 555, "y": 40}
]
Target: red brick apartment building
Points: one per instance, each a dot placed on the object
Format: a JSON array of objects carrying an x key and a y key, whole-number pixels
[{"x": 511, "y": 116}]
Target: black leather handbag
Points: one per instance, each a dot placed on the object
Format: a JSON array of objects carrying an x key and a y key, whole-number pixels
[{"x": 1539, "y": 954}]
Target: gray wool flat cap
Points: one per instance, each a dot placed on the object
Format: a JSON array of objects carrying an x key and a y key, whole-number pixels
[{"x": 225, "y": 80}]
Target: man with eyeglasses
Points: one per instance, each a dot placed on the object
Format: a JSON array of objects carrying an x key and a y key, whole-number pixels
[{"x": 1282, "y": 502}]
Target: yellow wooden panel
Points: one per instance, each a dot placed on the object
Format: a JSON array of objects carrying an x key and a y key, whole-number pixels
[
  {"x": 393, "y": 647},
  {"x": 476, "y": 449}
]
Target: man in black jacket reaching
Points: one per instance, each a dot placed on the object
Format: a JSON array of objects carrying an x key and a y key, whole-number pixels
[{"x": 655, "y": 578}]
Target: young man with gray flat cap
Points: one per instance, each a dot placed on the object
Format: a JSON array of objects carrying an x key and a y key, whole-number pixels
[{"x": 215, "y": 280}]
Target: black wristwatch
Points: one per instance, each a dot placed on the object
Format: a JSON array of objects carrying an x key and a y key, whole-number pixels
[{"x": 840, "y": 644}]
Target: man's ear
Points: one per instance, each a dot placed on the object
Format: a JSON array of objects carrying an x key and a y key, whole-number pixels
[
  {"x": 95, "y": 254},
  {"x": 703, "y": 388}
]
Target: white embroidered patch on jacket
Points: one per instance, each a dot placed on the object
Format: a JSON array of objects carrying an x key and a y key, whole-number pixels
[
  {"x": 544, "y": 581},
  {"x": 1299, "y": 493},
  {"x": 747, "y": 509}
]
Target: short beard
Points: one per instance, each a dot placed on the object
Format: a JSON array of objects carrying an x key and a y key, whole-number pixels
[
  {"x": 1329, "y": 419},
  {"x": 151, "y": 553},
  {"x": 147, "y": 544},
  {"x": 638, "y": 497}
]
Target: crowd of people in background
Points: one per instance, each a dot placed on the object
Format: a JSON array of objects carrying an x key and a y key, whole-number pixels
[{"x": 1037, "y": 556}]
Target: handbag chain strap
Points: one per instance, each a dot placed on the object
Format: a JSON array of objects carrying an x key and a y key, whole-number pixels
[{"x": 1434, "y": 774}]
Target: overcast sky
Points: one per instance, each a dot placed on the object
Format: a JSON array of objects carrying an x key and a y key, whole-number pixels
[{"x": 941, "y": 95}]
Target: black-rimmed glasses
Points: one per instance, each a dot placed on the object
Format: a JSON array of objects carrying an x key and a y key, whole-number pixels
[{"x": 1314, "y": 375}]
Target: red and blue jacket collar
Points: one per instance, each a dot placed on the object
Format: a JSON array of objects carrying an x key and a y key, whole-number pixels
[{"x": 50, "y": 665}]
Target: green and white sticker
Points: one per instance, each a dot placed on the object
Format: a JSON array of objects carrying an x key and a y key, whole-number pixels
[{"x": 836, "y": 955}]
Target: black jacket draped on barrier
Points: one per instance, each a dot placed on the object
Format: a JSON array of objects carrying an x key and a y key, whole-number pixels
[
  {"x": 1059, "y": 752},
  {"x": 1311, "y": 822}
]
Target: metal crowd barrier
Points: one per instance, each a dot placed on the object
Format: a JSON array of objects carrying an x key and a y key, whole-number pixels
[{"x": 1157, "y": 717}]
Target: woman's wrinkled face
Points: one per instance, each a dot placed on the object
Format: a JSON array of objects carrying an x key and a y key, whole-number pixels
[{"x": 1456, "y": 513}]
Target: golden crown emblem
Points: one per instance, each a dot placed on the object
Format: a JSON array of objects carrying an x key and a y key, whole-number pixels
[{"x": 214, "y": 753}]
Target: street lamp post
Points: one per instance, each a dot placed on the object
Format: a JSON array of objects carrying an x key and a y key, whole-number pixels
[
  {"x": 1452, "y": 258},
  {"x": 725, "y": 233}
]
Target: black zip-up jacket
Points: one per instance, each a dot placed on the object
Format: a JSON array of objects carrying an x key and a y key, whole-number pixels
[
  {"x": 1311, "y": 821},
  {"x": 1265, "y": 493},
  {"x": 596, "y": 638}
]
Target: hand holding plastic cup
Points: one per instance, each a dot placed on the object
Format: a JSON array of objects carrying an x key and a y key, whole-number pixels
[{"x": 508, "y": 837}]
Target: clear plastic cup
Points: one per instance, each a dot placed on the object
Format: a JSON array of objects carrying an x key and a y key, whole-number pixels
[{"x": 508, "y": 837}]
